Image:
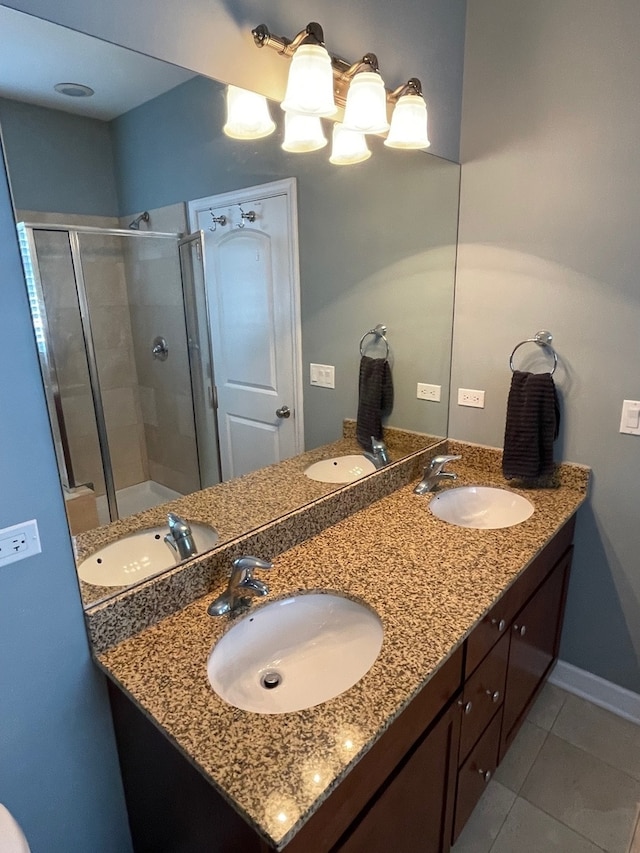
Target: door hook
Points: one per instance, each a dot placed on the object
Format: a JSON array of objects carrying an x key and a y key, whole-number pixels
[
  {"x": 250, "y": 216},
  {"x": 217, "y": 220}
]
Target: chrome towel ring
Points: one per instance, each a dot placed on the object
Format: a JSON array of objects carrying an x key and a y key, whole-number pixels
[
  {"x": 379, "y": 332},
  {"x": 542, "y": 339}
]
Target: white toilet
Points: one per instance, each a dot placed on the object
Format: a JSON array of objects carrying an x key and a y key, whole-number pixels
[{"x": 12, "y": 839}]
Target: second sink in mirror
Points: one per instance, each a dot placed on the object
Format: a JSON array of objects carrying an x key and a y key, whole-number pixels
[
  {"x": 340, "y": 469},
  {"x": 139, "y": 555}
]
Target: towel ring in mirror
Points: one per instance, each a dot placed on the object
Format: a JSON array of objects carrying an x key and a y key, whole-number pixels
[
  {"x": 542, "y": 339},
  {"x": 379, "y": 332}
]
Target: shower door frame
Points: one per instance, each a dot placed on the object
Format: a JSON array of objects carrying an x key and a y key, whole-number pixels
[{"x": 51, "y": 384}]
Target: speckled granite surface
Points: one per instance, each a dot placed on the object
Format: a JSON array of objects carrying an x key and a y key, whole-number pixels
[
  {"x": 142, "y": 605},
  {"x": 429, "y": 581},
  {"x": 238, "y": 506}
]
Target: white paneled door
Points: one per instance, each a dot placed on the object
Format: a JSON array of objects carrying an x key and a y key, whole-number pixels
[{"x": 251, "y": 275}]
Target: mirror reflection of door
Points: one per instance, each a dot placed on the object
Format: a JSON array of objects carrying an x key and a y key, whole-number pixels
[{"x": 253, "y": 306}]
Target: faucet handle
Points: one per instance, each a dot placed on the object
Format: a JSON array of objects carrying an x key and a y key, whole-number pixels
[
  {"x": 438, "y": 462},
  {"x": 249, "y": 563}
]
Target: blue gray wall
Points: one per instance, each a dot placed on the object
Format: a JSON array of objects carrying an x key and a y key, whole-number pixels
[
  {"x": 549, "y": 223},
  {"x": 58, "y": 767},
  {"x": 59, "y": 162}
]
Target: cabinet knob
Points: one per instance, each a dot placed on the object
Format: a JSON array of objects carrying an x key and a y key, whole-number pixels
[
  {"x": 494, "y": 695},
  {"x": 520, "y": 629},
  {"x": 486, "y": 774},
  {"x": 500, "y": 624},
  {"x": 466, "y": 706}
]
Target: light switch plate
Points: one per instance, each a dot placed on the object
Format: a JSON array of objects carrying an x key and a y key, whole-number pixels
[
  {"x": 322, "y": 375},
  {"x": 630, "y": 418}
]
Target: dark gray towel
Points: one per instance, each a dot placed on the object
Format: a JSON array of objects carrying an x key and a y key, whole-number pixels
[
  {"x": 533, "y": 421},
  {"x": 375, "y": 398}
]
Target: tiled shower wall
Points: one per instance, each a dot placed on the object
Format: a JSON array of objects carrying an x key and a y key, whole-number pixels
[{"x": 156, "y": 306}]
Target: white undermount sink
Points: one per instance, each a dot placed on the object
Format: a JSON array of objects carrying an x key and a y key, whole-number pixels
[
  {"x": 295, "y": 653},
  {"x": 481, "y": 507},
  {"x": 340, "y": 469},
  {"x": 139, "y": 555}
]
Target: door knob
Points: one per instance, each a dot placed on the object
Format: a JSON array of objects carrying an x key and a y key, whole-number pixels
[{"x": 283, "y": 412}]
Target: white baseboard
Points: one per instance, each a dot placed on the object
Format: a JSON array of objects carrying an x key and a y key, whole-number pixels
[{"x": 603, "y": 693}]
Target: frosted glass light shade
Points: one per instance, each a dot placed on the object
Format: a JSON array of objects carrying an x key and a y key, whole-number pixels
[
  {"x": 349, "y": 146},
  {"x": 409, "y": 124},
  {"x": 248, "y": 115},
  {"x": 310, "y": 83},
  {"x": 366, "y": 107},
  {"x": 302, "y": 133}
]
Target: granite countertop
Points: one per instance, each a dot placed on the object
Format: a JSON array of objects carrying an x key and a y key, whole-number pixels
[
  {"x": 430, "y": 582},
  {"x": 244, "y": 503}
]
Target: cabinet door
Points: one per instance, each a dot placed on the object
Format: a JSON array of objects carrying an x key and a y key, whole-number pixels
[
  {"x": 414, "y": 812},
  {"x": 535, "y": 635}
]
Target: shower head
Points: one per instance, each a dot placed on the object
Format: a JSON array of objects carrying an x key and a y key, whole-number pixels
[{"x": 135, "y": 225}]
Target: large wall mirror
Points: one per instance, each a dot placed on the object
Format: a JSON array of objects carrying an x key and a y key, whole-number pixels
[{"x": 107, "y": 186}]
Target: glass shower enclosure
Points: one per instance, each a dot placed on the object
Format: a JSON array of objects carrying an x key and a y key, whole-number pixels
[{"x": 118, "y": 316}]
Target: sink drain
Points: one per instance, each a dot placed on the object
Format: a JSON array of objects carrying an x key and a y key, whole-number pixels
[{"x": 269, "y": 680}]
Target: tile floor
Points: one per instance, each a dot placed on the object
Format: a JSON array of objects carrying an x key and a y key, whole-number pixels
[{"x": 570, "y": 783}]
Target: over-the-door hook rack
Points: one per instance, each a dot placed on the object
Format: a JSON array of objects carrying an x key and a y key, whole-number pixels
[
  {"x": 380, "y": 333},
  {"x": 542, "y": 338}
]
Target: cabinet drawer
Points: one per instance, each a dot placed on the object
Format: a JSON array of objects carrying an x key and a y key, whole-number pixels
[
  {"x": 483, "y": 695},
  {"x": 475, "y": 773},
  {"x": 487, "y": 633}
]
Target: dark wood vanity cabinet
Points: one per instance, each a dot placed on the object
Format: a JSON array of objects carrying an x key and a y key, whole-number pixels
[
  {"x": 514, "y": 646},
  {"x": 416, "y": 787}
]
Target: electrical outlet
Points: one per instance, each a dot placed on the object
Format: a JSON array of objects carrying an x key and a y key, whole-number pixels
[
  {"x": 471, "y": 397},
  {"x": 18, "y": 542},
  {"x": 428, "y": 392}
]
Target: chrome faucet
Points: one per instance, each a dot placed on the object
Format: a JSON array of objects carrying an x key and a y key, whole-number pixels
[
  {"x": 379, "y": 454},
  {"x": 433, "y": 474},
  {"x": 180, "y": 538},
  {"x": 242, "y": 586}
]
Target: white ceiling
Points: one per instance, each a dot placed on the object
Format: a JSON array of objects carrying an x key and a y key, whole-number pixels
[{"x": 36, "y": 54}]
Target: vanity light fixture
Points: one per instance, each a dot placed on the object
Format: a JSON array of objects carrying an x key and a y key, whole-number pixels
[
  {"x": 349, "y": 146},
  {"x": 310, "y": 81},
  {"x": 302, "y": 133},
  {"x": 366, "y": 107},
  {"x": 318, "y": 81},
  {"x": 409, "y": 120},
  {"x": 248, "y": 115}
]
